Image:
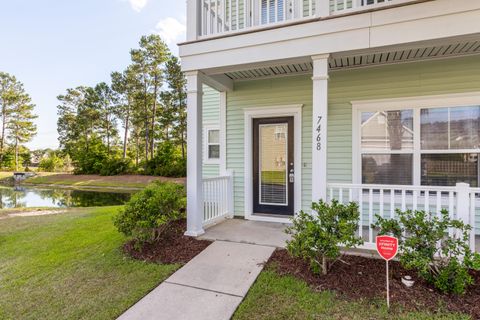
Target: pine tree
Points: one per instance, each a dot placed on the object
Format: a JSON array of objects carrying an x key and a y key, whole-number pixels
[
  {"x": 126, "y": 87},
  {"x": 148, "y": 62},
  {"x": 177, "y": 97},
  {"x": 10, "y": 88},
  {"x": 21, "y": 126},
  {"x": 104, "y": 100}
]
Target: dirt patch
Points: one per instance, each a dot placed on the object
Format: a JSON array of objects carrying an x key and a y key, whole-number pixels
[
  {"x": 36, "y": 213},
  {"x": 122, "y": 180},
  {"x": 5, "y": 214},
  {"x": 173, "y": 247},
  {"x": 360, "y": 278}
]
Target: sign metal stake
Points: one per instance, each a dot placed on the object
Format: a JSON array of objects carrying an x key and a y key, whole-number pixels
[{"x": 388, "y": 288}]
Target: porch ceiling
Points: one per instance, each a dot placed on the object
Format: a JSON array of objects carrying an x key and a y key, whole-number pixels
[{"x": 357, "y": 60}]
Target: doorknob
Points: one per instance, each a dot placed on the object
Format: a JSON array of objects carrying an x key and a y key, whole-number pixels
[{"x": 291, "y": 176}]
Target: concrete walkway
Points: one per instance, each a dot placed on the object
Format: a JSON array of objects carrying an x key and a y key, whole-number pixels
[{"x": 210, "y": 286}]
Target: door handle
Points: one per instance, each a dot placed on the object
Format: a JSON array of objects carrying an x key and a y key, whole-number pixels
[{"x": 291, "y": 176}]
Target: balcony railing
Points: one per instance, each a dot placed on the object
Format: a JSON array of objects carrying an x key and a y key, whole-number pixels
[{"x": 226, "y": 16}]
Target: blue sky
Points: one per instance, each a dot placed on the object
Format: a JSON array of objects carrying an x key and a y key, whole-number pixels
[{"x": 52, "y": 45}]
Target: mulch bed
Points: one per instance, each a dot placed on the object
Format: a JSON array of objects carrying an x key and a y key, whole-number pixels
[
  {"x": 172, "y": 247},
  {"x": 364, "y": 278}
]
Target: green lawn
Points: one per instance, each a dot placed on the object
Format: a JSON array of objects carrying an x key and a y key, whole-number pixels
[
  {"x": 70, "y": 266},
  {"x": 285, "y": 297},
  {"x": 4, "y": 174}
]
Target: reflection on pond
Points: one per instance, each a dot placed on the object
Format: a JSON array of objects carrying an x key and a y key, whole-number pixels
[{"x": 29, "y": 197}]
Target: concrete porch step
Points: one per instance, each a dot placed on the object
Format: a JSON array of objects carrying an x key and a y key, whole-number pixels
[{"x": 269, "y": 234}]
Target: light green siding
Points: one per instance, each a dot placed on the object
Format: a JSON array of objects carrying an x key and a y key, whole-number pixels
[
  {"x": 275, "y": 92},
  {"x": 211, "y": 116},
  {"x": 211, "y": 105},
  {"x": 403, "y": 80},
  {"x": 396, "y": 81}
]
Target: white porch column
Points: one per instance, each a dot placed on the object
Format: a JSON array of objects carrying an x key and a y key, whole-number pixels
[
  {"x": 319, "y": 127},
  {"x": 194, "y": 155}
]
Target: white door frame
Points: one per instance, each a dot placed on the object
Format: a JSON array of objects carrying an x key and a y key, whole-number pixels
[{"x": 272, "y": 112}]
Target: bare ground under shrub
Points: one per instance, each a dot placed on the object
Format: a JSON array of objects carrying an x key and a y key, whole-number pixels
[
  {"x": 361, "y": 278},
  {"x": 172, "y": 247}
]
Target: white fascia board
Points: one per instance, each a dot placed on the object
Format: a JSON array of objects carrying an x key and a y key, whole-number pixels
[
  {"x": 344, "y": 41},
  {"x": 422, "y": 11},
  {"x": 402, "y": 25},
  {"x": 452, "y": 25},
  {"x": 303, "y": 30}
]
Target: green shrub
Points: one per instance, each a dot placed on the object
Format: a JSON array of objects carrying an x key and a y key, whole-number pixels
[
  {"x": 7, "y": 160},
  {"x": 317, "y": 236},
  {"x": 148, "y": 214},
  {"x": 90, "y": 161},
  {"x": 116, "y": 166},
  {"x": 52, "y": 163},
  {"x": 168, "y": 162},
  {"x": 441, "y": 258}
]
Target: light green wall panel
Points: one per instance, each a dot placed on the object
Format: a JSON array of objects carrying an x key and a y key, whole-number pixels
[
  {"x": 403, "y": 80},
  {"x": 211, "y": 105},
  {"x": 211, "y": 116},
  {"x": 385, "y": 82},
  {"x": 266, "y": 93}
]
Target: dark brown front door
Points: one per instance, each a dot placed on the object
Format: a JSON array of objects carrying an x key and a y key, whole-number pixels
[{"x": 273, "y": 167}]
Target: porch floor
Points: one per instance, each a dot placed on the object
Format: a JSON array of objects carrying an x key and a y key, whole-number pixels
[
  {"x": 271, "y": 234},
  {"x": 246, "y": 231}
]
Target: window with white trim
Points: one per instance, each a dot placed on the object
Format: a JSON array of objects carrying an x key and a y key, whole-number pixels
[
  {"x": 411, "y": 145},
  {"x": 212, "y": 144}
]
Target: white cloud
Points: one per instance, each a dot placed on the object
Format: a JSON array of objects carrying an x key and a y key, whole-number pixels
[
  {"x": 172, "y": 31},
  {"x": 138, "y": 5}
]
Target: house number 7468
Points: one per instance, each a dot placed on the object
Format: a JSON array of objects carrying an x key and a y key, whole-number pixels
[{"x": 319, "y": 134}]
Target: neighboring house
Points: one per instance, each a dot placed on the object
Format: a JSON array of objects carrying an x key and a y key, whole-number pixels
[
  {"x": 366, "y": 100},
  {"x": 37, "y": 156}
]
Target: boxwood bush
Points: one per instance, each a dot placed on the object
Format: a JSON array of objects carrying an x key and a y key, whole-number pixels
[
  {"x": 149, "y": 212},
  {"x": 318, "y": 235}
]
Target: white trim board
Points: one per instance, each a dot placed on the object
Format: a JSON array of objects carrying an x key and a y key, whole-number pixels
[
  {"x": 223, "y": 132},
  {"x": 429, "y": 101},
  {"x": 414, "y": 103},
  {"x": 269, "y": 112}
]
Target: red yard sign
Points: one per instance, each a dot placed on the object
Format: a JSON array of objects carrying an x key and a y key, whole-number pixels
[{"x": 387, "y": 247}]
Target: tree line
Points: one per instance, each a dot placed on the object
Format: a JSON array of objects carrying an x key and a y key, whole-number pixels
[
  {"x": 17, "y": 125},
  {"x": 135, "y": 123}
]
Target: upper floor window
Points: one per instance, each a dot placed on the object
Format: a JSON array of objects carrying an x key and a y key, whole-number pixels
[
  {"x": 273, "y": 11},
  {"x": 437, "y": 146}
]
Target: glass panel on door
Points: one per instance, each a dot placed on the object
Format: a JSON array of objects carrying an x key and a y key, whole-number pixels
[{"x": 273, "y": 164}]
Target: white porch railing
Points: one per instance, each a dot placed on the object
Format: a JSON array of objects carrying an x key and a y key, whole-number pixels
[
  {"x": 225, "y": 16},
  {"x": 461, "y": 201},
  {"x": 344, "y": 6},
  {"x": 217, "y": 199},
  {"x": 475, "y": 218}
]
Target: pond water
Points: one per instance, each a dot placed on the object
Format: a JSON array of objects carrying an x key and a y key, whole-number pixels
[{"x": 29, "y": 197}]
